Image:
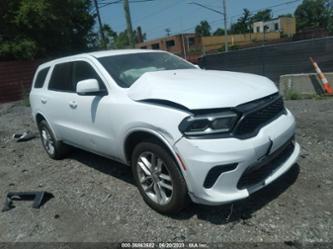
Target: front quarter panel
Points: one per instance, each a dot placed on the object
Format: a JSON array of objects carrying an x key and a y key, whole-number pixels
[{"x": 138, "y": 116}]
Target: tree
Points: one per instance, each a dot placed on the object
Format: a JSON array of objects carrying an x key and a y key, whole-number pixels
[
  {"x": 218, "y": 31},
  {"x": 110, "y": 37},
  {"x": 262, "y": 16},
  {"x": 243, "y": 24},
  {"x": 314, "y": 14},
  {"x": 203, "y": 29},
  {"x": 286, "y": 15},
  {"x": 40, "y": 28},
  {"x": 116, "y": 40},
  {"x": 167, "y": 31}
]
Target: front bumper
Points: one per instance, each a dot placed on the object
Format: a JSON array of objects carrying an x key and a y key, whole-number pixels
[{"x": 201, "y": 155}]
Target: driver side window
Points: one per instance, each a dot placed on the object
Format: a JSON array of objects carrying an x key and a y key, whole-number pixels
[{"x": 83, "y": 71}]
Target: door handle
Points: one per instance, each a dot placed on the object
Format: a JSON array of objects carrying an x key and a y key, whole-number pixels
[
  {"x": 73, "y": 104},
  {"x": 43, "y": 100}
]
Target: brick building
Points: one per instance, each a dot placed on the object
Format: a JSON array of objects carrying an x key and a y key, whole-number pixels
[{"x": 184, "y": 45}]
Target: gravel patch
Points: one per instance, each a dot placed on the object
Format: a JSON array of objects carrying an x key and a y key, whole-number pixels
[{"x": 95, "y": 199}]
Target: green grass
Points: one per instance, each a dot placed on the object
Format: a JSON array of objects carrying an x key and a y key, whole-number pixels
[{"x": 293, "y": 96}]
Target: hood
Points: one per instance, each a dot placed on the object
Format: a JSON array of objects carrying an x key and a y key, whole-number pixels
[{"x": 201, "y": 89}]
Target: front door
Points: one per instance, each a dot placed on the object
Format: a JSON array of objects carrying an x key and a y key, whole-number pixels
[{"x": 90, "y": 115}]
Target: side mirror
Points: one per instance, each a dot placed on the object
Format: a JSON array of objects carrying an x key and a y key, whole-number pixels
[
  {"x": 88, "y": 87},
  {"x": 197, "y": 66}
]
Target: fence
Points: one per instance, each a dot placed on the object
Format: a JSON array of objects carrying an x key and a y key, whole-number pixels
[
  {"x": 275, "y": 60},
  {"x": 217, "y": 42},
  {"x": 15, "y": 79}
]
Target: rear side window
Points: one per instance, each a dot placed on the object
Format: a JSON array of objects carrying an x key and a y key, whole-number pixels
[
  {"x": 61, "y": 79},
  {"x": 84, "y": 71},
  {"x": 41, "y": 76}
]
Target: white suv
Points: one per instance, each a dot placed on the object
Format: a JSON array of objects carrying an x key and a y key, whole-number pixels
[{"x": 210, "y": 136}]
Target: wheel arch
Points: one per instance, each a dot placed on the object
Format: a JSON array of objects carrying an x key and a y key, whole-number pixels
[
  {"x": 39, "y": 117},
  {"x": 135, "y": 137}
]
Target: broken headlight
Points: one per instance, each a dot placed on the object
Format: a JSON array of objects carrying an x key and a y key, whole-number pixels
[{"x": 215, "y": 123}]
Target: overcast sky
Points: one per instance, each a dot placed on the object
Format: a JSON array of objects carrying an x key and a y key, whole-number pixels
[{"x": 179, "y": 16}]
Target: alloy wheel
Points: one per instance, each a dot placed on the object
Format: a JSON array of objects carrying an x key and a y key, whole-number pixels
[
  {"x": 154, "y": 178},
  {"x": 47, "y": 141}
]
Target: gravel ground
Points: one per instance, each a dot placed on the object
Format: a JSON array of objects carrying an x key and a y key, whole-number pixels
[{"x": 95, "y": 199}]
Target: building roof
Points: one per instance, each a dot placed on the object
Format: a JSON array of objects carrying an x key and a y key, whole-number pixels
[{"x": 275, "y": 19}]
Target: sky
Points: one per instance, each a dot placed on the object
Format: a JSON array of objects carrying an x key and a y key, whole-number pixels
[{"x": 179, "y": 16}]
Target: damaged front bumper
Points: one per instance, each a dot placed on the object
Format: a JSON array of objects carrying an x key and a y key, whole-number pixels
[{"x": 235, "y": 168}]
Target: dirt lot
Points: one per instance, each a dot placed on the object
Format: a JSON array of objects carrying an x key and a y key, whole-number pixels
[{"x": 95, "y": 199}]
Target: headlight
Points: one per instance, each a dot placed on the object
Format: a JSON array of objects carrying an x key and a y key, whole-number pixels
[{"x": 209, "y": 124}]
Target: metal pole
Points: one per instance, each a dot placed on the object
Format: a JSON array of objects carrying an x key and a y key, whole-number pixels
[
  {"x": 263, "y": 53},
  {"x": 226, "y": 49},
  {"x": 128, "y": 23},
  {"x": 184, "y": 47},
  {"x": 100, "y": 24}
]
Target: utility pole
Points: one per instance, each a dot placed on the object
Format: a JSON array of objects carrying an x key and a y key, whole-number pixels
[
  {"x": 128, "y": 23},
  {"x": 226, "y": 49},
  {"x": 224, "y": 13},
  {"x": 100, "y": 23},
  {"x": 184, "y": 47}
]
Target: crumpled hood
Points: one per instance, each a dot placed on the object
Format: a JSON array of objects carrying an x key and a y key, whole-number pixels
[{"x": 201, "y": 89}]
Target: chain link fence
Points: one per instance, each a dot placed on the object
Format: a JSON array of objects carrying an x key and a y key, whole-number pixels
[{"x": 275, "y": 60}]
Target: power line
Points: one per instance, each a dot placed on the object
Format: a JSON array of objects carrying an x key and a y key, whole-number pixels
[
  {"x": 269, "y": 7},
  {"x": 141, "y": 1},
  {"x": 206, "y": 7},
  {"x": 105, "y": 3},
  {"x": 100, "y": 22},
  {"x": 158, "y": 11}
]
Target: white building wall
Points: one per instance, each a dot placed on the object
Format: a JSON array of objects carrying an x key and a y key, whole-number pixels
[{"x": 272, "y": 26}]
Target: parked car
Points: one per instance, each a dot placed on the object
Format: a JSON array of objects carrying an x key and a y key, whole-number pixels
[{"x": 212, "y": 137}]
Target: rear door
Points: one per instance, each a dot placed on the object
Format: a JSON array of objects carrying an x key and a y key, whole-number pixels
[
  {"x": 37, "y": 94},
  {"x": 58, "y": 100}
]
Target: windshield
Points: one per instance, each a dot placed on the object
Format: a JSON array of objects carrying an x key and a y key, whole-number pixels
[{"x": 126, "y": 69}]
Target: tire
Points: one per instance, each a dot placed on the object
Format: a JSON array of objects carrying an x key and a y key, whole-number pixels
[
  {"x": 59, "y": 149},
  {"x": 164, "y": 174}
]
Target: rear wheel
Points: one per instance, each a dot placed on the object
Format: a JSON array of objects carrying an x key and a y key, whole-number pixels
[
  {"x": 55, "y": 149},
  {"x": 158, "y": 178}
]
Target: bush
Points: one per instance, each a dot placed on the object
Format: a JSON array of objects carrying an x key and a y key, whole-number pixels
[
  {"x": 234, "y": 47},
  {"x": 293, "y": 95},
  {"x": 23, "y": 49}
]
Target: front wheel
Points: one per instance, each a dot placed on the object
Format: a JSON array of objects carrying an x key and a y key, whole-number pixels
[{"x": 158, "y": 178}]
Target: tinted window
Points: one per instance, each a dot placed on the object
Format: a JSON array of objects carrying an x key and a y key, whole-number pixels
[
  {"x": 170, "y": 43},
  {"x": 61, "y": 79},
  {"x": 126, "y": 69},
  {"x": 84, "y": 71},
  {"x": 40, "y": 79},
  {"x": 155, "y": 46},
  {"x": 191, "y": 41}
]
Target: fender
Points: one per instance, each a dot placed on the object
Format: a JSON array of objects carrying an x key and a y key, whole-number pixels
[
  {"x": 48, "y": 122},
  {"x": 166, "y": 143}
]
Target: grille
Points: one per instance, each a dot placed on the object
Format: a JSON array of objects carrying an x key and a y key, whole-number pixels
[
  {"x": 253, "y": 120},
  {"x": 266, "y": 168}
]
